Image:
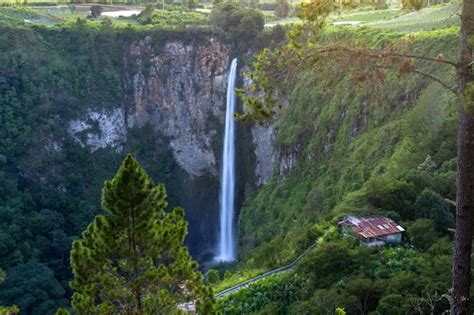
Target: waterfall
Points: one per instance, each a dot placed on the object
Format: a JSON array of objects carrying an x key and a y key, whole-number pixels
[{"x": 226, "y": 250}]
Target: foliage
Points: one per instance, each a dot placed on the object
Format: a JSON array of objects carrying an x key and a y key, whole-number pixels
[
  {"x": 191, "y": 4},
  {"x": 422, "y": 233},
  {"x": 353, "y": 155},
  {"x": 280, "y": 291},
  {"x": 40, "y": 70},
  {"x": 328, "y": 264},
  {"x": 33, "y": 287},
  {"x": 171, "y": 18},
  {"x": 62, "y": 311},
  {"x": 50, "y": 191},
  {"x": 282, "y": 8},
  {"x": 132, "y": 259},
  {"x": 212, "y": 276},
  {"x": 230, "y": 279},
  {"x": 432, "y": 206},
  {"x": 242, "y": 24},
  {"x": 413, "y": 4},
  {"x": 11, "y": 310},
  {"x": 361, "y": 280}
]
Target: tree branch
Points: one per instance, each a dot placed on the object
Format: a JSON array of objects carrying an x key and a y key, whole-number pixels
[
  {"x": 410, "y": 56},
  {"x": 381, "y": 54},
  {"x": 430, "y": 76},
  {"x": 437, "y": 79}
]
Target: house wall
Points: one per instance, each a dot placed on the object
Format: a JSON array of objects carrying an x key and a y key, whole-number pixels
[
  {"x": 382, "y": 241},
  {"x": 397, "y": 238},
  {"x": 374, "y": 243}
]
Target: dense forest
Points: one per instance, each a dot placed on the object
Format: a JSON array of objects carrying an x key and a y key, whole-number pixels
[{"x": 80, "y": 90}]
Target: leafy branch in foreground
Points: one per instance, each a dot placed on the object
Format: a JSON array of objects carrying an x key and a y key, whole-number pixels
[{"x": 276, "y": 71}]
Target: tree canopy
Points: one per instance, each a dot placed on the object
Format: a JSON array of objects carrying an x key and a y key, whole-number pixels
[
  {"x": 242, "y": 24},
  {"x": 132, "y": 260}
]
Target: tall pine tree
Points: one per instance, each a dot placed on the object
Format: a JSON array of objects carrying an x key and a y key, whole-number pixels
[{"x": 132, "y": 259}]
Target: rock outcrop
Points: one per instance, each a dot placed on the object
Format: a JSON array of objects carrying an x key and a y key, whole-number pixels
[
  {"x": 176, "y": 90},
  {"x": 180, "y": 89},
  {"x": 264, "y": 152}
]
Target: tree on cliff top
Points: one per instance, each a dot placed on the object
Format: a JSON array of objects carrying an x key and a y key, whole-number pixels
[
  {"x": 132, "y": 259},
  {"x": 276, "y": 70},
  {"x": 242, "y": 24}
]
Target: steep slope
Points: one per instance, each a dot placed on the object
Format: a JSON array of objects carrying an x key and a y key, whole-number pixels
[{"x": 340, "y": 152}]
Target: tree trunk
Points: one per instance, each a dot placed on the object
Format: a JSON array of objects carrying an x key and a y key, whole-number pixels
[{"x": 460, "y": 296}]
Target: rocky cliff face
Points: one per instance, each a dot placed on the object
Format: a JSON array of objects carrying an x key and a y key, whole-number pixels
[
  {"x": 175, "y": 95},
  {"x": 179, "y": 90},
  {"x": 176, "y": 92}
]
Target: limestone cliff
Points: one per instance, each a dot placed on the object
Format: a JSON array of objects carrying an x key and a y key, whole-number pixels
[{"x": 177, "y": 91}]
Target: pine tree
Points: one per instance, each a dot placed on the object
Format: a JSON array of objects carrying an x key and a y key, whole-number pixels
[{"x": 132, "y": 259}]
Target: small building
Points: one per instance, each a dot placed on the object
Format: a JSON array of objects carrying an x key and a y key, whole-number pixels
[{"x": 373, "y": 231}]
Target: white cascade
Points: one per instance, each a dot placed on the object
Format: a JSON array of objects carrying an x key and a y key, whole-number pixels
[{"x": 226, "y": 250}]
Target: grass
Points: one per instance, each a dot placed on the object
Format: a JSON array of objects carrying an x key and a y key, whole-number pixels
[
  {"x": 21, "y": 14},
  {"x": 50, "y": 15},
  {"x": 440, "y": 16},
  {"x": 435, "y": 17},
  {"x": 368, "y": 16}
]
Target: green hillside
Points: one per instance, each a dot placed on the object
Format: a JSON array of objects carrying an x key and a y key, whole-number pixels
[
  {"x": 393, "y": 156},
  {"x": 351, "y": 150}
]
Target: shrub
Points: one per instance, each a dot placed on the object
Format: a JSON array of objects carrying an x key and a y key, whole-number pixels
[
  {"x": 432, "y": 206},
  {"x": 212, "y": 276},
  {"x": 422, "y": 233},
  {"x": 327, "y": 264},
  {"x": 242, "y": 24}
]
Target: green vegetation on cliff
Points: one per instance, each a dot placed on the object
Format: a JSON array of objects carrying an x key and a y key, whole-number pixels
[
  {"x": 354, "y": 155},
  {"x": 341, "y": 152}
]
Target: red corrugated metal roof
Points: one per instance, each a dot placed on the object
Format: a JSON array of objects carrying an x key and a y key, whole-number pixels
[{"x": 371, "y": 226}]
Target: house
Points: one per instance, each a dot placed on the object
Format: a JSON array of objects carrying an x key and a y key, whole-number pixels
[{"x": 373, "y": 231}]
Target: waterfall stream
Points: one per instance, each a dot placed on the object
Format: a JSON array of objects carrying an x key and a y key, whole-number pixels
[{"x": 226, "y": 250}]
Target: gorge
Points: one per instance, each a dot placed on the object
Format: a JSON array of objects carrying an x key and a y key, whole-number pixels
[
  {"x": 76, "y": 98},
  {"x": 85, "y": 99},
  {"x": 161, "y": 99}
]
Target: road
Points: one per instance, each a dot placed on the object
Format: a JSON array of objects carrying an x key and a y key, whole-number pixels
[{"x": 248, "y": 282}]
